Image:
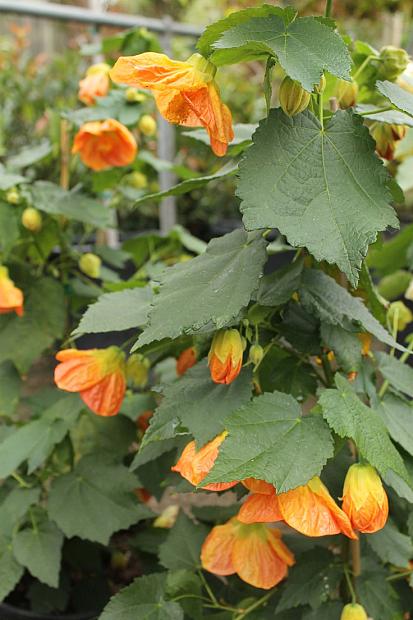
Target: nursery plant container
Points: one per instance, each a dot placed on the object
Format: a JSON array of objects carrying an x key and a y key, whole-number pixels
[{"x": 8, "y": 612}]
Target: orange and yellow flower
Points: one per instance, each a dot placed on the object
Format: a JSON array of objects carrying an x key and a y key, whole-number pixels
[
  {"x": 97, "y": 374},
  {"x": 309, "y": 509},
  {"x": 95, "y": 84},
  {"x": 255, "y": 552},
  {"x": 11, "y": 297},
  {"x": 186, "y": 360},
  {"x": 194, "y": 465},
  {"x": 364, "y": 499},
  {"x": 225, "y": 356},
  {"x": 185, "y": 92},
  {"x": 104, "y": 144}
]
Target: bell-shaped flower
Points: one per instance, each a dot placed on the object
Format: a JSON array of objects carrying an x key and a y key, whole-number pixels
[
  {"x": 11, "y": 297},
  {"x": 225, "y": 356},
  {"x": 364, "y": 499},
  {"x": 95, "y": 84},
  {"x": 186, "y": 359},
  {"x": 105, "y": 144}
]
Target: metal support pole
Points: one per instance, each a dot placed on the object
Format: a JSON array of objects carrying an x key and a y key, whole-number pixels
[{"x": 166, "y": 151}]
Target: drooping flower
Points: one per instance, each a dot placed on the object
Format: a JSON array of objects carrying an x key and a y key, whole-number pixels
[
  {"x": 194, "y": 465},
  {"x": 255, "y": 552},
  {"x": 186, "y": 360},
  {"x": 11, "y": 297},
  {"x": 104, "y": 144},
  {"x": 185, "y": 92},
  {"x": 364, "y": 499},
  {"x": 97, "y": 374},
  {"x": 353, "y": 611},
  {"x": 225, "y": 356},
  {"x": 95, "y": 84},
  {"x": 309, "y": 509}
]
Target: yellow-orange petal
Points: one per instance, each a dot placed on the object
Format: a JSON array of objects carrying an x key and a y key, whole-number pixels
[
  {"x": 93, "y": 86},
  {"x": 311, "y": 510},
  {"x": 260, "y": 508},
  {"x": 216, "y": 552},
  {"x": 78, "y": 370},
  {"x": 364, "y": 499},
  {"x": 11, "y": 297},
  {"x": 105, "y": 144},
  {"x": 186, "y": 360},
  {"x": 105, "y": 398},
  {"x": 258, "y": 486}
]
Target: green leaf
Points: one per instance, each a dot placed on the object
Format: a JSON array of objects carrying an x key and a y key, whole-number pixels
[
  {"x": 151, "y": 451},
  {"x": 274, "y": 421},
  {"x": 311, "y": 580},
  {"x": 94, "y": 488},
  {"x": 346, "y": 346},
  {"x": 24, "y": 338},
  {"x": 395, "y": 284},
  {"x": 188, "y": 185},
  {"x": 377, "y": 596},
  {"x": 280, "y": 371},
  {"x": 349, "y": 417},
  {"x": 391, "y": 545},
  {"x": 211, "y": 288},
  {"x": 52, "y": 199},
  {"x": 397, "y": 415},
  {"x": 308, "y": 182},
  {"x": 40, "y": 550},
  {"x": 117, "y": 311},
  {"x": 391, "y": 255},
  {"x": 184, "y": 582},
  {"x": 242, "y": 135},
  {"x": 333, "y": 304},
  {"x": 398, "y": 374},
  {"x": 393, "y": 117},
  {"x": 9, "y": 227},
  {"x": 399, "y": 97},
  {"x": 10, "y": 385},
  {"x": 329, "y": 611},
  {"x": 94, "y": 433},
  {"x": 277, "y": 288},
  {"x": 195, "y": 399},
  {"x": 369, "y": 293},
  {"x": 10, "y": 570},
  {"x": 9, "y": 180},
  {"x": 35, "y": 441},
  {"x": 304, "y": 46},
  {"x": 144, "y": 599},
  {"x": 14, "y": 507},
  {"x": 182, "y": 548},
  {"x": 30, "y": 155}
]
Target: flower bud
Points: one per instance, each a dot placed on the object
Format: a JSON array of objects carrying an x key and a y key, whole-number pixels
[
  {"x": 186, "y": 360},
  {"x": 353, "y": 611},
  {"x": 293, "y": 98},
  {"x": 400, "y": 314},
  {"x": 394, "y": 61},
  {"x": 256, "y": 354},
  {"x": 225, "y": 356},
  {"x": 167, "y": 518},
  {"x": 32, "y": 219},
  {"x": 132, "y": 95},
  {"x": 386, "y": 137},
  {"x": 13, "y": 196},
  {"x": 137, "y": 370},
  {"x": 90, "y": 265},
  {"x": 346, "y": 93},
  {"x": 321, "y": 86},
  {"x": 138, "y": 180},
  {"x": 147, "y": 125},
  {"x": 364, "y": 499}
]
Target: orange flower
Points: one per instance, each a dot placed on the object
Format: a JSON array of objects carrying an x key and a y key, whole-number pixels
[
  {"x": 225, "y": 356},
  {"x": 255, "y": 552},
  {"x": 186, "y": 360},
  {"x": 364, "y": 499},
  {"x": 195, "y": 465},
  {"x": 309, "y": 509},
  {"x": 185, "y": 92},
  {"x": 97, "y": 374},
  {"x": 365, "y": 339},
  {"x": 95, "y": 84},
  {"x": 11, "y": 297},
  {"x": 103, "y": 144},
  {"x": 143, "y": 420}
]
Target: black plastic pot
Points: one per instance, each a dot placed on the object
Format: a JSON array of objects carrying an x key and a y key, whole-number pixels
[{"x": 7, "y": 612}]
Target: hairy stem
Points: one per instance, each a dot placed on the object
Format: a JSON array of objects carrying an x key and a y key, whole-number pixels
[{"x": 329, "y": 8}]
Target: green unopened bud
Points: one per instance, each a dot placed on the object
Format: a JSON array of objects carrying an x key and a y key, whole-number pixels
[
  {"x": 147, "y": 125},
  {"x": 320, "y": 88},
  {"x": 32, "y": 219},
  {"x": 394, "y": 61},
  {"x": 13, "y": 196},
  {"x": 346, "y": 93},
  {"x": 137, "y": 370},
  {"x": 256, "y": 354},
  {"x": 399, "y": 315},
  {"x": 353, "y": 611},
  {"x": 134, "y": 96},
  {"x": 137, "y": 180},
  {"x": 293, "y": 98},
  {"x": 90, "y": 265}
]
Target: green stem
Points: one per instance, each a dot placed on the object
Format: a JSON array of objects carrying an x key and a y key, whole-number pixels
[
  {"x": 378, "y": 111},
  {"x": 327, "y": 369},
  {"x": 402, "y": 359},
  {"x": 257, "y": 604},
  {"x": 329, "y": 8},
  {"x": 402, "y": 575},
  {"x": 207, "y": 588},
  {"x": 33, "y": 520},
  {"x": 223, "y": 607},
  {"x": 20, "y": 480},
  {"x": 350, "y": 585},
  {"x": 183, "y": 596},
  {"x": 321, "y": 110},
  {"x": 363, "y": 66}
]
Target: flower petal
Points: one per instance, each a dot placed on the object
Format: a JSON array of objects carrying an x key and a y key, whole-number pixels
[
  {"x": 105, "y": 398},
  {"x": 155, "y": 71},
  {"x": 216, "y": 552},
  {"x": 259, "y": 508}
]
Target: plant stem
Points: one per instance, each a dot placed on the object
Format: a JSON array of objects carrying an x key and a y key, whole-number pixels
[
  {"x": 257, "y": 604},
  {"x": 350, "y": 585},
  {"x": 363, "y": 66},
  {"x": 327, "y": 369},
  {"x": 321, "y": 110},
  {"x": 355, "y": 557},
  {"x": 402, "y": 575},
  {"x": 329, "y": 8},
  {"x": 378, "y": 111},
  {"x": 20, "y": 480},
  {"x": 207, "y": 588},
  {"x": 64, "y": 154}
]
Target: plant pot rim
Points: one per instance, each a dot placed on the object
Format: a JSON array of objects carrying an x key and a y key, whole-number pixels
[{"x": 25, "y": 613}]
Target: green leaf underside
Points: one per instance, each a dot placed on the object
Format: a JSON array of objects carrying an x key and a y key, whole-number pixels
[
  {"x": 199, "y": 404},
  {"x": 183, "y": 546},
  {"x": 397, "y": 415},
  {"x": 269, "y": 440},
  {"x": 304, "y": 46},
  {"x": 391, "y": 545},
  {"x": 144, "y": 599},
  {"x": 324, "y": 189},
  {"x": 117, "y": 311},
  {"x": 349, "y": 417},
  {"x": 10, "y": 570},
  {"x": 276, "y": 289},
  {"x": 402, "y": 99},
  {"x": 333, "y": 304},
  {"x": 399, "y": 375},
  {"x": 211, "y": 288},
  {"x": 392, "y": 117},
  {"x": 40, "y": 551},
  {"x": 346, "y": 346},
  {"x": 95, "y": 500}
]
